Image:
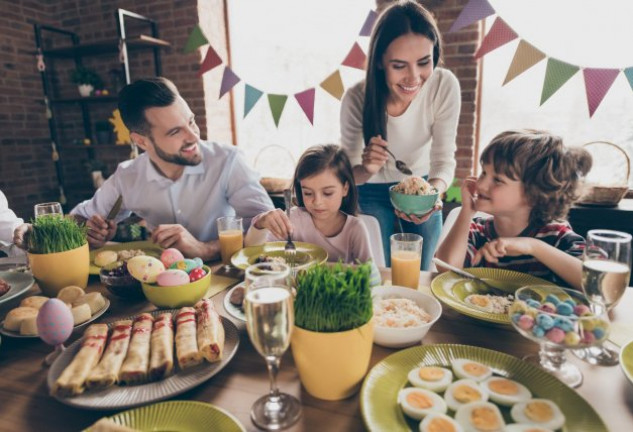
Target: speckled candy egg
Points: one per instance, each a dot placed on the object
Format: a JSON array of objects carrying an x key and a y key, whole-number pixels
[
  {"x": 186, "y": 264},
  {"x": 54, "y": 322},
  {"x": 197, "y": 274},
  {"x": 172, "y": 277},
  {"x": 170, "y": 256},
  {"x": 145, "y": 268}
]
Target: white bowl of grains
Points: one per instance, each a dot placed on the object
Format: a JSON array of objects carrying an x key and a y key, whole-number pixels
[{"x": 402, "y": 316}]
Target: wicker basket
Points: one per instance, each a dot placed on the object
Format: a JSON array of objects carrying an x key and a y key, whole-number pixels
[
  {"x": 606, "y": 195},
  {"x": 274, "y": 155}
]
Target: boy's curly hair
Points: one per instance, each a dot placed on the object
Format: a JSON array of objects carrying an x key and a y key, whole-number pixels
[{"x": 550, "y": 172}]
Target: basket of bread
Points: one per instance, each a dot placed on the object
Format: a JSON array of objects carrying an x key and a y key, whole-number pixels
[
  {"x": 276, "y": 166},
  {"x": 608, "y": 181}
]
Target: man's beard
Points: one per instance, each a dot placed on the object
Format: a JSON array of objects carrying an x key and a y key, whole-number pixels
[{"x": 175, "y": 158}]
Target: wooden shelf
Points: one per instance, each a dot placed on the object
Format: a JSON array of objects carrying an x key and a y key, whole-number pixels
[
  {"x": 81, "y": 99},
  {"x": 106, "y": 47},
  {"x": 94, "y": 145}
]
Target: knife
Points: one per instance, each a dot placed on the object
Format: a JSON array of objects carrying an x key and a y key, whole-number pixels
[
  {"x": 464, "y": 273},
  {"x": 115, "y": 208}
]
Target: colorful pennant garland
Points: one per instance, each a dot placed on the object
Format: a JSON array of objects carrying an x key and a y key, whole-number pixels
[
  {"x": 557, "y": 73},
  {"x": 333, "y": 84}
]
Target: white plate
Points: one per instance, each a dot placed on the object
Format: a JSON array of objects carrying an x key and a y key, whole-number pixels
[
  {"x": 13, "y": 334},
  {"x": 120, "y": 397},
  {"x": 20, "y": 282},
  {"x": 231, "y": 309}
]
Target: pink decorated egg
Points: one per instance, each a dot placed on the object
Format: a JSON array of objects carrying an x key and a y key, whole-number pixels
[
  {"x": 54, "y": 322},
  {"x": 170, "y": 256},
  {"x": 145, "y": 268},
  {"x": 172, "y": 277}
]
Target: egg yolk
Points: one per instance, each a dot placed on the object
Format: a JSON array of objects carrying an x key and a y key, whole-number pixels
[
  {"x": 479, "y": 300},
  {"x": 419, "y": 400},
  {"x": 485, "y": 419},
  {"x": 465, "y": 394},
  {"x": 503, "y": 386},
  {"x": 475, "y": 369},
  {"x": 439, "y": 424},
  {"x": 538, "y": 411},
  {"x": 431, "y": 373}
]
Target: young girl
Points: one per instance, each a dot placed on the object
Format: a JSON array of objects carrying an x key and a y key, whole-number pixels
[
  {"x": 528, "y": 182},
  {"x": 327, "y": 198}
]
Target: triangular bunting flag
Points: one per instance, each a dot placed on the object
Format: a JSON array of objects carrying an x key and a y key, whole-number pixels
[
  {"x": 525, "y": 57},
  {"x": 556, "y": 74},
  {"x": 306, "y": 102},
  {"x": 628, "y": 73},
  {"x": 211, "y": 60},
  {"x": 475, "y": 10},
  {"x": 277, "y": 103},
  {"x": 355, "y": 58},
  {"x": 369, "y": 23},
  {"x": 334, "y": 85},
  {"x": 196, "y": 39},
  {"x": 499, "y": 34},
  {"x": 597, "y": 84},
  {"x": 251, "y": 96},
  {"x": 229, "y": 79}
]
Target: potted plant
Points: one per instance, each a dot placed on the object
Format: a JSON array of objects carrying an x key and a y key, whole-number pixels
[
  {"x": 58, "y": 253},
  {"x": 87, "y": 80},
  {"x": 333, "y": 333}
]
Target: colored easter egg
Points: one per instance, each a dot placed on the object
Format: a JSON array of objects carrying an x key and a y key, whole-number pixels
[
  {"x": 526, "y": 322},
  {"x": 546, "y": 322},
  {"x": 564, "y": 308},
  {"x": 548, "y": 307},
  {"x": 54, "y": 322},
  {"x": 172, "y": 277},
  {"x": 551, "y": 298},
  {"x": 170, "y": 256},
  {"x": 572, "y": 339},
  {"x": 197, "y": 274},
  {"x": 186, "y": 264},
  {"x": 198, "y": 262},
  {"x": 145, "y": 268},
  {"x": 582, "y": 310},
  {"x": 555, "y": 335}
]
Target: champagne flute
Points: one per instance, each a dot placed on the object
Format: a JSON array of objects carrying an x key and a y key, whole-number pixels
[
  {"x": 268, "y": 306},
  {"x": 49, "y": 208},
  {"x": 605, "y": 275}
]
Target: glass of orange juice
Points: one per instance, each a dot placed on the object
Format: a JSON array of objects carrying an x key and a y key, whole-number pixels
[
  {"x": 231, "y": 236},
  {"x": 406, "y": 256}
]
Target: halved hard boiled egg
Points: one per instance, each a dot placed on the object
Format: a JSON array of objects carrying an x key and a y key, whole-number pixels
[
  {"x": 505, "y": 391},
  {"x": 480, "y": 417},
  {"x": 481, "y": 302},
  {"x": 431, "y": 378},
  {"x": 439, "y": 423},
  {"x": 518, "y": 427},
  {"x": 540, "y": 412},
  {"x": 462, "y": 392},
  {"x": 417, "y": 402},
  {"x": 470, "y": 369}
]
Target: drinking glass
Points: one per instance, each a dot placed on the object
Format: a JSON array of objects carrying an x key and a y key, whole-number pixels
[
  {"x": 406, "y": 256},
  {"x": 49, "y": 208},
  {"x": 606, "y": 269},
  {"x": 557, "y": 319},
  {"x": 268, "y": 306},
  {"x": 276, "y": 271},
  {"x": 231, "y": 235}
]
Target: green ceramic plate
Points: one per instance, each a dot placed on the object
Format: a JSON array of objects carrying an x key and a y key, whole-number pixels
[
  {"x": 151, "y": 249},
  {"x": 306, "y": 253},
  {"x": 451, "y": 289},
  {"x": 181, "y": 416},
  {"x": 626, "y": 360},
  {"x": 381, "y": 412}
]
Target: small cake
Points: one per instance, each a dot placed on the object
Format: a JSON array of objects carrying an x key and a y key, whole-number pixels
[
  {"x": 28, "y": 326},
  {"x": 35, "y": 302},
  {"x": 14, "y": 318},
  {"x": 106, "y": 257},
  {"x": 70, "y": 293},
  {"x": 93, "y": 299},
  {"x": 81, "y": 313}
]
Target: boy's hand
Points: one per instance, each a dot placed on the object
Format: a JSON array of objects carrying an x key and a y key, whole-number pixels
[
  {"x": 374, "y": 155},
  {"x": 498, "y": 248},
  {"x": 469, "y": 195},
  {"x": 276, "y": 221}
]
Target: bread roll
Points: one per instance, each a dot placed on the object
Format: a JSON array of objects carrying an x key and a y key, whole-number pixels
[
  {"x": 14, "y": 318},
  {"x": 81, "y": 313},
  {"x": 70, "y": 293},
  {"x": 94, "y": 299},
  {"x": 106, "y": 257},
  {"x": 28, "y": 326},
  {"x": 35, "y": 302}
]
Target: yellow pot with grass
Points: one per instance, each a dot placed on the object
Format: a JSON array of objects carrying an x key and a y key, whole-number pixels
[
  {"x": 332, "y": 365},
  {"x": 54, "y": 271}
]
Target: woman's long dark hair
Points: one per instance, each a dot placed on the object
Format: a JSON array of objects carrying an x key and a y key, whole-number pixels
[{"x": 402, "y": 18}]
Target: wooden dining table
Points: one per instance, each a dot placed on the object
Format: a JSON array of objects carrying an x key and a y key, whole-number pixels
[{"x": 25, "y": 403}]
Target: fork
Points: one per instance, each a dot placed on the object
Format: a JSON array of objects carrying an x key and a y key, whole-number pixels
[
  {"x": 464, "y": 273},
  {"x": 290, "y": 250}
]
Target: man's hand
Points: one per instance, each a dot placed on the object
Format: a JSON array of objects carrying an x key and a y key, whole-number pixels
[
  {"x": 506, "y": 246},
  {"x": 100, "y": 230},
  {"x": 21, "y": 236},
  {"x": 176, "y": 236}
]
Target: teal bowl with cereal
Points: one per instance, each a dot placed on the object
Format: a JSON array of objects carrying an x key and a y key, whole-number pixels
[
  {"x": 412, "y": 204},
  {"x": 178, "y": 295}
]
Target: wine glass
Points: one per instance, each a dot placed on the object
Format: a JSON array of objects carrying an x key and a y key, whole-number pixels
[
  {"x": 557, "y": 319},
  {"x": 268, "y": 306},
  {"x": 49, "y": 208},
  {"x": 276, "y": 271},
  {"x": 231, "y": 235},
  {"x": 606, "y": 269}
]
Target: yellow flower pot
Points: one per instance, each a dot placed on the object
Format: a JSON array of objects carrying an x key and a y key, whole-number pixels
[
  {"x": 332, "y": 365},
  {"x": 55, "y": 271}
]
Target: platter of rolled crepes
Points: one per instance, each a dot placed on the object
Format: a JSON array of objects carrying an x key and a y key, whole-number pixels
[{"x": 144, "y": 358}]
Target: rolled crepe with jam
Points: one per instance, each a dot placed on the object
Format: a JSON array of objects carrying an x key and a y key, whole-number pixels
[
  {"x": 107, "y": 371},
  {"x": 161, "y": 362},
  {"x": 210, "y": 331},
  {"x": 186, "y": 343},
  {"x": 136, "y": 364}
]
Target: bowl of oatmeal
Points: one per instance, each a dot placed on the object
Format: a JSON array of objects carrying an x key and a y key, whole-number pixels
[
  {"x": 413, "y": 195},
  {"x": 402, "y": 316}
]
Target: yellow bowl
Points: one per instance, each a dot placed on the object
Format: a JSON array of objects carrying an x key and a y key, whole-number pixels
[
  {"x": 178, "y": 295},
  {"x": 55, "y": 271}
]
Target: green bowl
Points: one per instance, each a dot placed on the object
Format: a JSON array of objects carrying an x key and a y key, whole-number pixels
[
  {"x": 178, "y": 295},
  {"x": 412, "y": 204}
]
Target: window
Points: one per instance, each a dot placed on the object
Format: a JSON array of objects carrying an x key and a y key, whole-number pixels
[{"x": 580, "y": 33}]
